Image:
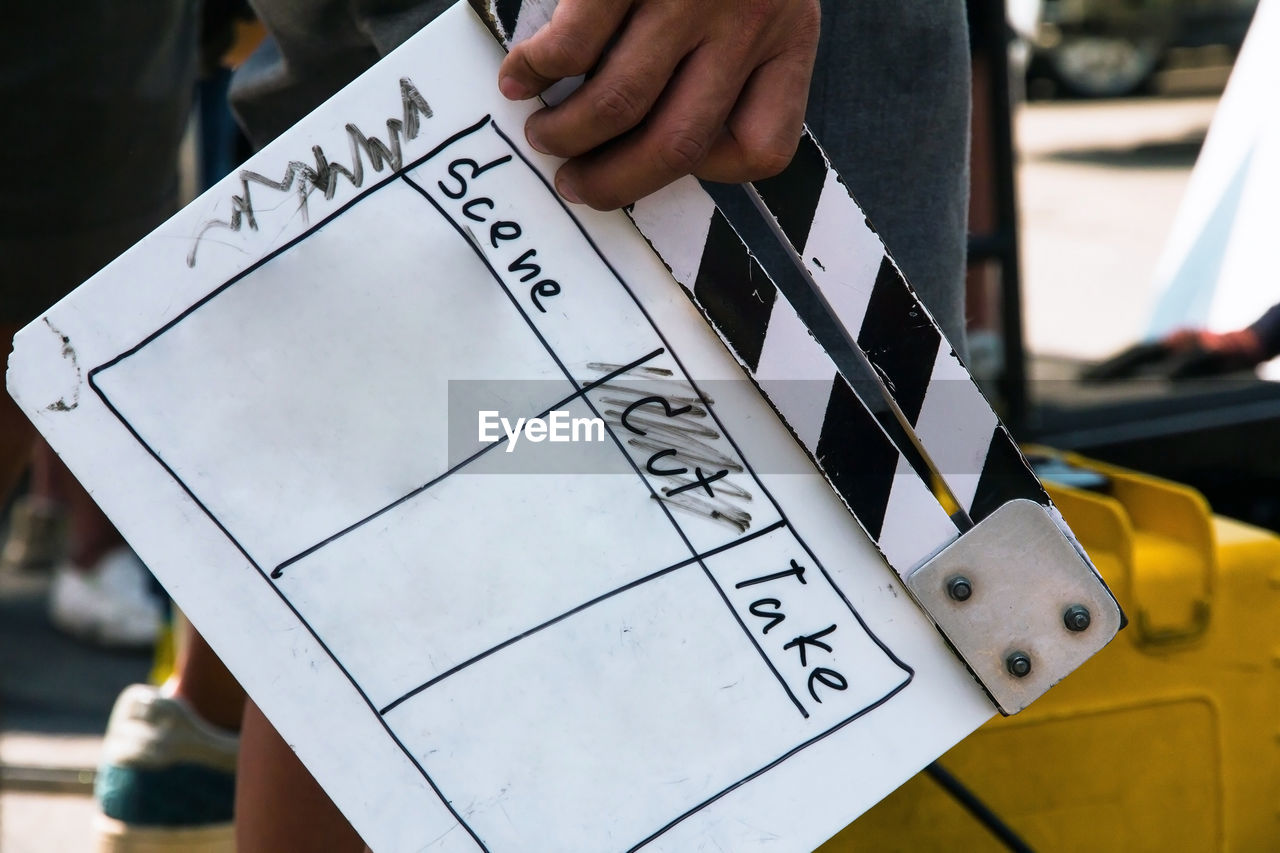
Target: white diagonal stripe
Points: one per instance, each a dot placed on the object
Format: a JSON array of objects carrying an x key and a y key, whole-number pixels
[
  {"x": 955, "y": 426},
  {"x": 534, "y": 15},
  {"x": 842, "y": 254},
  {"x": 676, "y": 220},
  {"x": 915, "y": 525},
  {"x": 795, "y": 373}
]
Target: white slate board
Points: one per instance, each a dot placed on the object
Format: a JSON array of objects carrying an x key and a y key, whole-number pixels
[{"x": 482, "y": 651}]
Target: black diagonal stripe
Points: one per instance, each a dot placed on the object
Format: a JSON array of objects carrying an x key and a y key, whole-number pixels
[
  {"x": 734, "y": 291},
  {"x": 508, "y": 12},
  {"x": 1005, "y": 477},
  {"x": 899, "y": 339},
  {"x": 793, "y": 195},
  {"x": 857, "y": 457}
]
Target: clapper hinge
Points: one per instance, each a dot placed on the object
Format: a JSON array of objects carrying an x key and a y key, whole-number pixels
[{"x": 1018, "y": 602}]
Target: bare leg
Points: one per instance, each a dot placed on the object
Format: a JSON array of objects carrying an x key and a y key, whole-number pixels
[
  {"x": 92, "y": 533},
  {"x": 279, "y": 806},
  {"x": 16, "y": 433},
  {"x": 201, "y": 680}
]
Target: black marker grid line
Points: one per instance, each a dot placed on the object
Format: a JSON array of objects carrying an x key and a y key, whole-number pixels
[
  {"x": 278, "y": 571},
  {"x": 698, "y": 558},
  {"x": 287, "y": 603},
  {"x": 909, "y": 673},
  {"x": 568, "y": 374},
  {"x": 580, "y": 392},
  {"x": 270, "y": 256},
  {"x": 635, "y": 467}
]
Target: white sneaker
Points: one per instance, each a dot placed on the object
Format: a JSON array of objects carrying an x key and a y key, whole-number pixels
[
  {"x": 110, "y": 604},
  {"x": 167, "y": 781}
]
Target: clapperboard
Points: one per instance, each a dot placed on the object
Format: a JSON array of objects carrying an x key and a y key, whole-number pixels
[{"x": 524, "y": 545}]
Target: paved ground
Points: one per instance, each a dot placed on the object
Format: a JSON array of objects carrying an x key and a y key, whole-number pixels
[{"x": 1100, "y": 185}]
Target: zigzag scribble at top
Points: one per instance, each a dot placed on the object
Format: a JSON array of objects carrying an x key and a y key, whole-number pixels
[{"x": 303, "y": 178}]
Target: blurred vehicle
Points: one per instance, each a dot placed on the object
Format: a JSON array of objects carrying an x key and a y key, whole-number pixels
[{"x": 1109, "y": 48}]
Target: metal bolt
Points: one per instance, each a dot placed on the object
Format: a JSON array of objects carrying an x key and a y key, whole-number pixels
[
  {"x": 959, "y": 588},
  {"x": 1077, "y": 618},
  {"x": 1019, "y": 664}
]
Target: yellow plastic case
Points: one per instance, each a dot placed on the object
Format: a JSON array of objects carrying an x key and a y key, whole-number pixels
[{"x": 1169, "y": 739}]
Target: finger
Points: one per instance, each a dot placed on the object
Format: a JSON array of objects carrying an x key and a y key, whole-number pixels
[
  {"x": 621, "y": 93},
  {"x": 672, "y": 143},
  {"x": 762, "y": 132},
  {"x": 570, "y": 44}
]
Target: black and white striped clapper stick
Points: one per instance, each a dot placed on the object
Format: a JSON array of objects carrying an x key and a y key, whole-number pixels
[
  {"x": 849, "y": 267},
  {"x": 846, "y": 264}
]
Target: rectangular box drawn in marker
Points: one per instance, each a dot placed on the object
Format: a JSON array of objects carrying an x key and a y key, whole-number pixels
[{"x": 475, "y": 587}]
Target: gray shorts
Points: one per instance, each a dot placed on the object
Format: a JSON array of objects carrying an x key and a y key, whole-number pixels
[{"x": 890, "y": 103}]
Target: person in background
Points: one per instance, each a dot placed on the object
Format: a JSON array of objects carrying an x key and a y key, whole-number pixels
[
  {"x": 714, "y": 88},
  {"x": 101, "y": 593},
  {"x": 101, "y": 99},
  {"x": 1195, "y": 353},
  {"x": 102, "y": 94},
  {"x": 166, "y": 779}
]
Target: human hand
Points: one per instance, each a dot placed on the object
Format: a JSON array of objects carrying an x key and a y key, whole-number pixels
[
  {"x": 1184, "y": 354},
  {"x": 1203, "y": 353},
  {"x": 713, "y": 88}
]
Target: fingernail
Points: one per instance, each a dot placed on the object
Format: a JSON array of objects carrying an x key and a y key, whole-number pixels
[
  {"x": 567, "y": 191},
  {"x": 531, "y": 135},
  {"x": 512, "y": 89}
]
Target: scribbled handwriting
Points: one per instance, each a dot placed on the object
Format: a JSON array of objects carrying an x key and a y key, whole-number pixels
[
  {"x": 303, "y": 179},
  {"x": 667, "y": 424}
]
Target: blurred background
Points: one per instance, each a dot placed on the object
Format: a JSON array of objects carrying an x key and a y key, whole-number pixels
[
  {"x": 1081, "y": 223},
  {"x": 1089, "y": 116}
]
